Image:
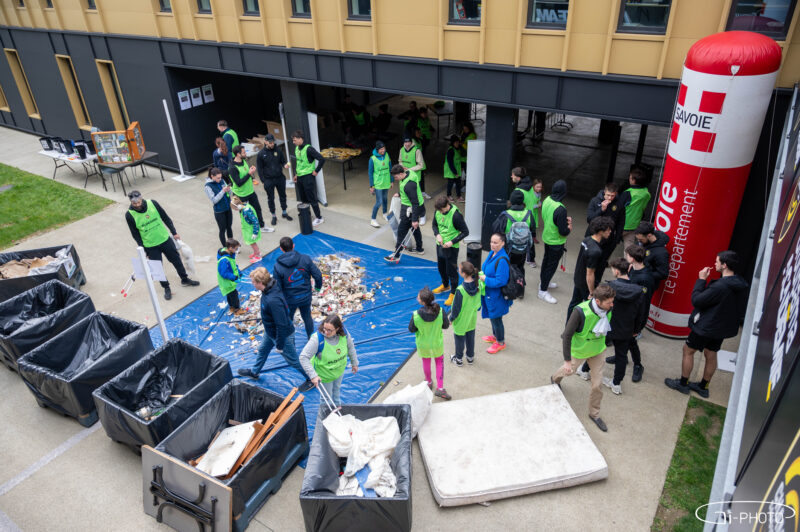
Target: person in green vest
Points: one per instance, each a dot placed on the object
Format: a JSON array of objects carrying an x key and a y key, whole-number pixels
[
  {"x": 305, "y": 174},
  {"x": 228, "y": 135},
  {"x": 251, "y": 232},
  {"x": 427, "y": 324},
  {"x": 380, "y": 180},
  {"x": 325, "y": 356},
  {"x": 242, "y": 183},
  {"x": 361, "y": 121},
  {"x": 635, "y": 199},
  {"x": 584, "y": 340},
  {"x": 557, "y": 225},
  {"x": 150, "y": 227},
  {"x": 524, "y": 184},
  {"x": 425, "y": 127},
  {"x": 449, "y": 228},
  {"x": 417, "y": 138},
  {"x": 517, "y": 245},
  {"x": 464, "y": 315},
  {"x": 452, "y": 168},
  {"x": 412, "y": 207},
  {"x": 228, "y": 274},
  {"x": 410, "y": 157},
  {"x": 409, "y": 118},
  {"x": 467, "y": 134}
]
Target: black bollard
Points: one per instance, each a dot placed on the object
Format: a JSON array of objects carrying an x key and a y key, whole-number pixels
[
  {"x": 304, "y": 215},
  {"x": 474, "y": 252}
]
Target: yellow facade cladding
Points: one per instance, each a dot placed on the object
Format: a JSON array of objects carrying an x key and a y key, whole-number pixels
[{"x": 419, "y": 28}]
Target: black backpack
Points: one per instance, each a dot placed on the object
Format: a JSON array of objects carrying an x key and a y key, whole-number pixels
[{"x": 515, "y": 286}]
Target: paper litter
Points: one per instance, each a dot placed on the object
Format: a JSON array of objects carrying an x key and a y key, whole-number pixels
[{"x": 38, "y": 265}]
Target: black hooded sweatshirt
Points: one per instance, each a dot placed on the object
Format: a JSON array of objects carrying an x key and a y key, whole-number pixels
[
  {"x": 525, "y": 184},
  {"x": 558, "y": 193},
  {"x": 719, "y": 307},
  {"x": 615, "y": 211},
  {"x": 429, "y": 316},
  {"x": 631, "y": 307},
  {"x": 657, "y": 258}
]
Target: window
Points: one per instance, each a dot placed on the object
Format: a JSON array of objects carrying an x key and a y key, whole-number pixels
[
  {"x": 251, "y": 7},
  {"x": 165, "y": 6},
  {"x": 48, "y": 4},
  {"x": 91, "y": 4},
  {"x": 21, "y": 3},
  {"x": 359, "y": 9},
  {"x": 74, "y": 93},
  {"x": 301, "y": 8},
  {"x": 636, "y": 16},
  {"x": 3, "y": 102},
  {"x": 204, "y": 6},
  {"x": 22, "y": 83},
  {"x": 547, "y": 14},
  {"x": 465, "y": 11},
  {"x": 110, "y": 83},
  {"x": 771, "y": 19}
]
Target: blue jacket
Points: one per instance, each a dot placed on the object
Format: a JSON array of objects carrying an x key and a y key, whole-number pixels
[
  {"x": 275, "y": 314},
  {"x": 294, "y": 271},
  {"x": 496, "y": 269},
  {"x": 371, "y": 169},
  {"x": 224, "y": 268},
  {"x": 222, "y": 162}
]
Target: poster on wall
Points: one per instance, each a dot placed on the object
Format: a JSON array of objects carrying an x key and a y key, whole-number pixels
[
  {"x": 183, "y": 99},
  {"x": 197, "y": 97},
  {"x": 208, "y": 93}
]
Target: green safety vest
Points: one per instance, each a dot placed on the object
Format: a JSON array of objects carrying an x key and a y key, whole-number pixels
[
  {"x": 303, "y": 166},
  {"x": 150, "y": 225},
  {"x": 446, "y": 227},
  {"x": 471, "y": 136},
  {"x": 430, "y": 340},
  {"x": 448, "y": 174},
  {"x": 530, "y": 197},
  {"x": 409, "y": 159},
  {"x": 550, "y": 234},
  {"x": 404, "y": 200},
  {"x": 418, "y": 145},
  {"x": 634, "y": 210},
  {"x": 424, "y": 126},
  {"x": 537, "y": 211},
  {"x": 246, "y": 189},
  {"x": 518, "y": 216},
  {"x": 247, "y": 229},
  {"x": 331, "y": 361},
  {"x": 360, "y": 120},
  {"x": 381, "y": 178},
  {"x": 226, "y": 286},
  {"x": 468, "y": 316},
  {"x": 585, "y": 343},
  {"x": 234, "y": 137}
]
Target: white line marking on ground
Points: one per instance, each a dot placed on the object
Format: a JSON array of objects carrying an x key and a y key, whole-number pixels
[
  {"x": 6, "y": 524},
  {"x": 376, "y": 234}
]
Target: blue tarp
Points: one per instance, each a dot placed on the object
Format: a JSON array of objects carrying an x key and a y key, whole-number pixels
[{"x": 380, "y": 331}]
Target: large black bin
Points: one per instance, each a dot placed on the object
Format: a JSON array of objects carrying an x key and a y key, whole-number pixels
[
  {"x": 324, "y": 510},
  {"x": 69, "y": 273},
  {"x": 252, "y": 484},
  {"x": 174, "y": 369},
  {"x": 64, "y": 371},
  {"x": 33, "y": 317}
]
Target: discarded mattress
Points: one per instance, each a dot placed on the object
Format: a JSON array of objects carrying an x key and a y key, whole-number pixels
[
  {"x": 66, "y": 268},
  {"x": 171, "y": 382},
  {"x": 499, "y": 446},
  {"x": 33, "y": 317},
  {"x": 64, "y": 371}
]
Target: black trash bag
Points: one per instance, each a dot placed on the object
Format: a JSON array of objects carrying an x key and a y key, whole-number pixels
[
  {"x": 244, "y": 402},
  {"x": 323, "y": 510},
  {"x": 175, "y": 368},
  {"x": 64, "y": 371},
  {"x": 68, "y": 273},
  {"x": 37, "y": 315}
]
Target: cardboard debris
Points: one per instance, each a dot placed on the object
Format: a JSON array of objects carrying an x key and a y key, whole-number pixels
[
  {"x": 21, "y": 268},
  {"x": 341, "y": 154}
]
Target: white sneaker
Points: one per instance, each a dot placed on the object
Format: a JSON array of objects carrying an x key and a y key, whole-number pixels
[
  {"x": 609, "y": 383},
  {"x": 422, "y": 220},
  {"x": 318, "y": 221},
  {"x": 582, "y": 374},
  {"x": 545, "y": 295},
  {"x": 426, "y": 195},
  {"x": 553, "y": 285},
  {"x": 385, "y": 217},
  {"x": 373, "y": 223},
  {"x": 268, "y": 229}
]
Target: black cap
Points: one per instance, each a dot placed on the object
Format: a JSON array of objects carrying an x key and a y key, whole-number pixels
[
  {"x": 379, "y": 144},
  {"x": 270, "y": 137},
  {"x": 407, "y": 139}
]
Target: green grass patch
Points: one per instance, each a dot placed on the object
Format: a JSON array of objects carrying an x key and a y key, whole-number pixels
[
  {"x": 691, "y": 472},
  {"x": 34, "y": 204}
]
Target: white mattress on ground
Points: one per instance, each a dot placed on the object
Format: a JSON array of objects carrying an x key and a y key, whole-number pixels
[{"x": 504, "y": 445}]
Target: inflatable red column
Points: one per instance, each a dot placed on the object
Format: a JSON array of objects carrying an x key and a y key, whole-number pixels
[{"x": 722, "y": 100}]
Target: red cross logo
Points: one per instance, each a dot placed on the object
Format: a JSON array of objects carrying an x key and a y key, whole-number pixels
[{"x": 711, "y": 103}]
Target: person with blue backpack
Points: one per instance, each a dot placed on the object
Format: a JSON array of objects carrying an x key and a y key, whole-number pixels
[
  {"x": 325, "y": 356},
  {"x": 517, "y": 224},
  {"x": 294, "y": 272}
]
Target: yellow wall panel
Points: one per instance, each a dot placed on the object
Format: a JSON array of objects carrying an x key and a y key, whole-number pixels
[
  {"x": 166, "y": 25},
  {"x": 228, "y": 30},
  {"x": 252, "y": 30},
  {"x": 461, "y": 45},
  {"x": 586, "y": 52},
  {"x": 676, "y": 54},
  {"x": 328, "y": 34},
  {"x": 634, "y": 58},
  {"x": 275, "y": 32},
  {"x": 790, "y": 74},
  {"x": 590, "y": 16},
  {"x": 52, "y": 18},
  {"x": 411, "y": 41},
  {"x": 501, "y": 14},
  {"x": 358, "y": 38},
  {"x": 300, "y": 35},
  {"x": 72, "y": 16},
  {"x": 206, "y": 31},
  {"x": 94, "y": 22},
  {"x": 542, "y": 51},
  {"x": 500, "y": 46},
  {"x": 697, "y": 19}
]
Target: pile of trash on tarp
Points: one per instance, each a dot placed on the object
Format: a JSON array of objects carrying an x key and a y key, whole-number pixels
[{"x": 35, "y": 266}]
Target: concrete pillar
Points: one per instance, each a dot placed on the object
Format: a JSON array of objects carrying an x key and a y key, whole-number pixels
[
  {"x": 295, "y": 110},
  {"x": 606, "y": 133},
  {"x": 615, "y": 129},
  {"x": 640, "y": 145},
  {"x": 540, "y": 124},
  {"x": 460, "y": 113},
  {"x": 501, "y": 129}
]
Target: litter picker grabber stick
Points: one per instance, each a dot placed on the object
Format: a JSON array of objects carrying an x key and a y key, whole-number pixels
[
  {"x": 126, "y": 288},
  {"x": 328, "y": 399},
  {"x": 399, "y": 251}
]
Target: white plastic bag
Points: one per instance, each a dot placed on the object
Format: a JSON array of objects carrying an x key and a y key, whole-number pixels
[
  {"x": 187, "y": 256},
  {"x": 419, "y": 397}
]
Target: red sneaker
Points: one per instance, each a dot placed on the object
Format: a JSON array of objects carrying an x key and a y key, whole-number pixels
[
  {"x": 495, "y": 347},
  {"x": 490, "y": 339}
]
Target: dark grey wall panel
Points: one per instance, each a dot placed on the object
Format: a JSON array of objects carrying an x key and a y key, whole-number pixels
[
  {"x": 59, "y": 46},
  {"x": 100, "y": 48},
  {"x": 201, "y": 56},
  {"x": 536, "y": 91},
  {"x": 330, "y": 69},
  {"x": 468, "y": 84},
  {"x": 411, "y": 77},
  {"x": 171, "y": 53},
  {"x": 231, "y": 59},
  {"x": 618, "y": 99},
  {"x": 266, "y": 62},
  {"x": 357, "y": 72},
  {"x": 17, "y": 117},
  {"x": 80, "y": 50},
  {"x": 303, "y": 66}
]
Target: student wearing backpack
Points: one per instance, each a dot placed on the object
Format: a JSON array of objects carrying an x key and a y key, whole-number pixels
[
  {"x": 464, "y": 315},
  {"x": 494, "y": 275},
  {"x": 427, "y": 324},
  {"x": 449, "y": 228},
  {"x": 517, "y": 224},
  {"x": 294, "y": 272},
  {"x": 325, "y": 356},
  {"x": 590, "y": 260}
]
